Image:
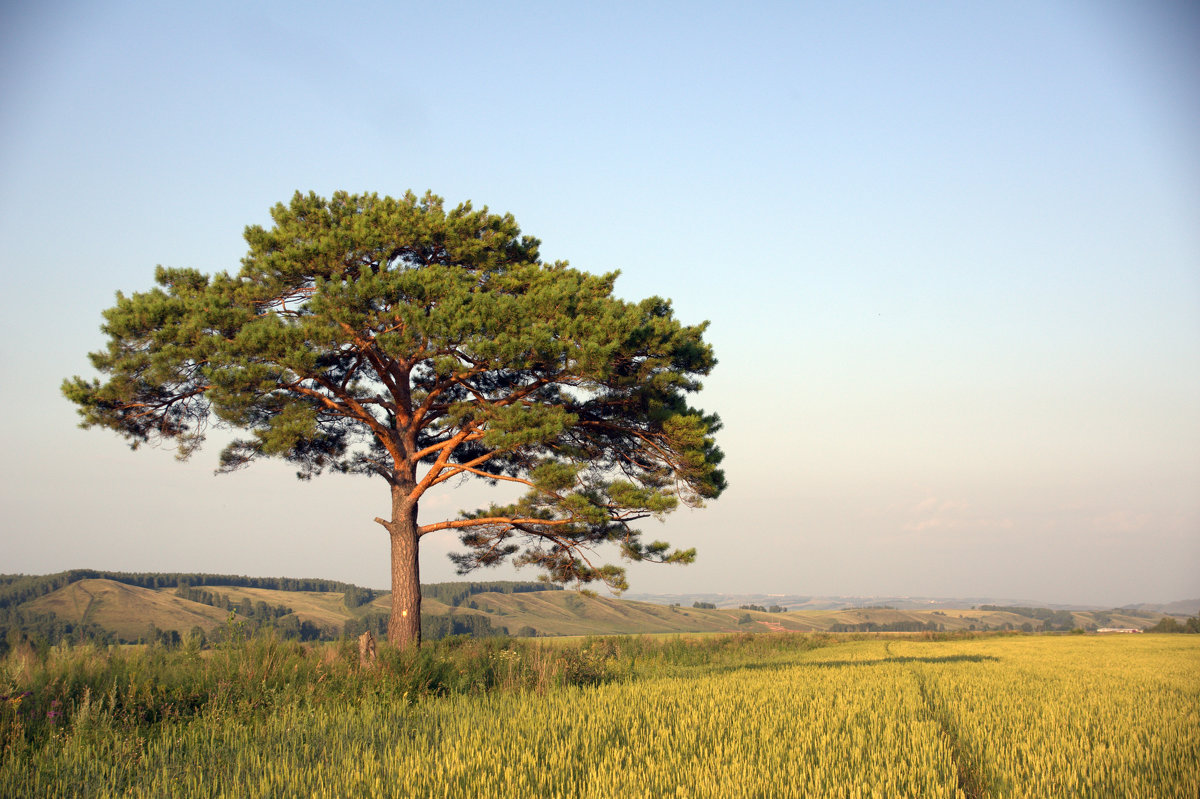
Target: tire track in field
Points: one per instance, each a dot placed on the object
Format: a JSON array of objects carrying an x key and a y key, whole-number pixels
[
  {"x": 84, "y": 617},
  {"x": 966, "y": 771}
]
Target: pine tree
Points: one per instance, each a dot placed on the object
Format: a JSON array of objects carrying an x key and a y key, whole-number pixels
[{"x": 393, "y": 338}]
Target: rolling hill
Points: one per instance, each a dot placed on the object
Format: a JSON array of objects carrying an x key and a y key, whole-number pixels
[
  {"x": 129, "y": 610},
  {"x": 325, "y": 609},
  {"x": 126, "y": 610}
]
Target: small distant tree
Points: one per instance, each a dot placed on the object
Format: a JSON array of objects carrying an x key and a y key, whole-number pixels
[
  {"x": 396, "y": 339},
  {"x": 195, "y": 640},
  {"x": 704, "y": 605},
  {"x": 1170, "y": 624},
  {"x": 355, "y": 597},
  {"x": 197, "y": 634}
]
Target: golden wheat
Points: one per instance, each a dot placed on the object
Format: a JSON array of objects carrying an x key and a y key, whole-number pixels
[{"x": 887, "y": 717}]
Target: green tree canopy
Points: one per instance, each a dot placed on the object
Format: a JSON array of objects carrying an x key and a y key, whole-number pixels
[{"x": 393, "y": 338}]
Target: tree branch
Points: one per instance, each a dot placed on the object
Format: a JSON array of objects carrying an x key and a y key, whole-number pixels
[{"x": 515, "y": 522}]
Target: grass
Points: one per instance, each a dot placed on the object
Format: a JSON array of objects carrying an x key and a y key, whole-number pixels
[
  {"x": 726, "y": 715},
  {"x": 43, "y": 692}
]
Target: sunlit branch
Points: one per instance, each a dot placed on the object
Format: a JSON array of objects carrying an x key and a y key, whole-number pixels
[
  {"x": 454, "y": 471},
  {"x": 458, "y": 524}
]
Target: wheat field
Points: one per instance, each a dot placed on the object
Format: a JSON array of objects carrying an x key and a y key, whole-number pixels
[{"x": 899, "y": 716}]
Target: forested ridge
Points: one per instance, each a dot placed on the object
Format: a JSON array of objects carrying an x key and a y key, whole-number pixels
[
  {"x": 309, "y": 609},
  {"x": 47, "y": 628},
  {"x": 16, "y": 589}
]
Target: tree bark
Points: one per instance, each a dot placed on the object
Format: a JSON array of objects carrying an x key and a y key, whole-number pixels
[
  {"x": 404, "y": 626},
  {"x": 366, "y": 649}
]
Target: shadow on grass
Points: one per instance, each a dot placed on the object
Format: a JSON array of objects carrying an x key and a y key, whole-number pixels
[
  {"x": 828, "y": 664},
  {"x": 837, "y": 664}
]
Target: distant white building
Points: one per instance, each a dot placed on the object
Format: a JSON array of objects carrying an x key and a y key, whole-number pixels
[{"x": 1118, "y": 630}]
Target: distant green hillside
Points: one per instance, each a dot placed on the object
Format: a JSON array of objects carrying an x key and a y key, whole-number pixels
[
  {"x": 85, "y": 604},
  {"x": 126, "y": 610},
  {"x": 573, "y": 613},
  {"x": 130, "y": 607}
]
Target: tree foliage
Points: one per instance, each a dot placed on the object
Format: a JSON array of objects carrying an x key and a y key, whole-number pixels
[
  {"x": 455, "y": 594},
  {"x": 1170, "y": 624},
  {"x": 395, "y": 338}
]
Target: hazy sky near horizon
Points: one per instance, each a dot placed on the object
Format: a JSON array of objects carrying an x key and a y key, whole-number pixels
[{"x": 950, "y": 254}]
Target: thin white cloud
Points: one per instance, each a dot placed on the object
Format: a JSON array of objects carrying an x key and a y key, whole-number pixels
[{"x": 951, "y": 515}]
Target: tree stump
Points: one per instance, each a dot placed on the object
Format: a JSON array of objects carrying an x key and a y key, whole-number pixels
[{"x": 366, "y": 648}]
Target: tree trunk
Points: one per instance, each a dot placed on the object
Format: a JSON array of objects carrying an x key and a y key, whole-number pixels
[{"x": 404, "y": 626}]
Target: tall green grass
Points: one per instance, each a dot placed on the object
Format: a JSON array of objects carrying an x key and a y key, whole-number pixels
[{"x": 55, "y": 691}]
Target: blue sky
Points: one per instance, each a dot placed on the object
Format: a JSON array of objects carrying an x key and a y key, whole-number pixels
[{"x": 950, "y": 254}]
